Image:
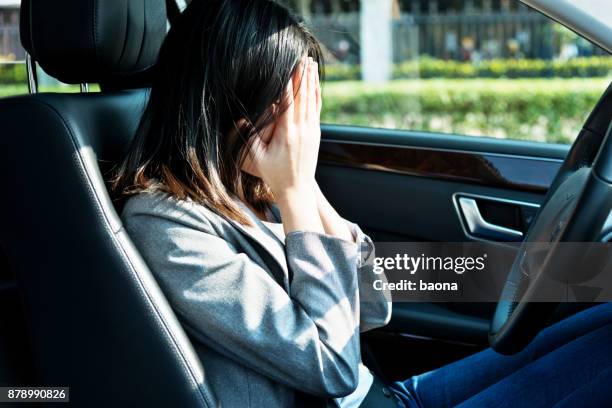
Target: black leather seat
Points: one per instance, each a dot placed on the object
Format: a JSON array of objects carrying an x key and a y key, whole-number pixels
[{"x": 96, "y": 319}]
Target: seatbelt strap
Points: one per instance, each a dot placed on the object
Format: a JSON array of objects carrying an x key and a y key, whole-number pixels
[{"x": 173, "y": 11}]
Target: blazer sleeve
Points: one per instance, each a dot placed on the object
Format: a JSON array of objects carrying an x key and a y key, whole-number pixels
[
  {"x": 308, "y": 340},
  {"x": 375, "y": 305}
]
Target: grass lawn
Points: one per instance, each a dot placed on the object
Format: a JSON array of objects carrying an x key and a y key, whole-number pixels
[
  {"x": 498, "y": 86},
  {"x": 8, "y": 90},
  {"x": 548, "y": 110}
]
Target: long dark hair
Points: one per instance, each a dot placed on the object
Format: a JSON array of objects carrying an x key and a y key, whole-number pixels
[{"x": 222, "y": 66}]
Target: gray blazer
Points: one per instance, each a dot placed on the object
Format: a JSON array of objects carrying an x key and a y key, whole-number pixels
[{"x": 268, "y": 314}]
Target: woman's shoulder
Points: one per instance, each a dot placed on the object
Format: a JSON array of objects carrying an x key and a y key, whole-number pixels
[{"x": 158, "y": 207}]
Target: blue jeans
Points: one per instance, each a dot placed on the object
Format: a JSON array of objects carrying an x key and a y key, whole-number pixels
[{"x": 568, "y": 364}]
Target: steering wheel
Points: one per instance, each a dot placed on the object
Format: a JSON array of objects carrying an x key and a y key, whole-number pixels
[{"x": 575, "y": 209}]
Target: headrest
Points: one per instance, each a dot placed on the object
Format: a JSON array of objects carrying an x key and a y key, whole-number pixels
[{"x": 95, "y": 41}]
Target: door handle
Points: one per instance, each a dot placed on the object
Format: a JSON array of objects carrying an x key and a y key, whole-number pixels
[{"x": 481, "y": 228}]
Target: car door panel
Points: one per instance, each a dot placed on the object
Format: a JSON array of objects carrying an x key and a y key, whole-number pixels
[
  {"x": 403, "y": 186},
  {"x": 402, "y": 183}
]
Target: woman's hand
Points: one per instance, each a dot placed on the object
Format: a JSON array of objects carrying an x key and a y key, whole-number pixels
[{"x": 285, "y": 155}]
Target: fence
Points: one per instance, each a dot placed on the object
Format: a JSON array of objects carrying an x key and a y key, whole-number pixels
[
  {"x": 463, "y": 35},
  {"x": 492, "y": 35},
  {"x": 10, "y": 45}
]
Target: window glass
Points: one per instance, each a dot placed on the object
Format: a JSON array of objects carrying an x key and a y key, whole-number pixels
[
  {"x": 12, "y": 68},
  {"x": 475, "y": 67},
  {"x": 13, "y": 77}
]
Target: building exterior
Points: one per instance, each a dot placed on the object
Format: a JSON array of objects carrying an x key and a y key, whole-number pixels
[
  {"x": 460, "y": 30},
  {"x": 10, "y": 46}
]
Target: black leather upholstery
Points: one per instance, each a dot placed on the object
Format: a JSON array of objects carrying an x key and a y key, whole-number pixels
[
  {"x": 98, "y": 41},
  {"x": 97, "y": 320}
]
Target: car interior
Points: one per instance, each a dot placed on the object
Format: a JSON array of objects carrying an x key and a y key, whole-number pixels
[{"x": 81, "y": 307}]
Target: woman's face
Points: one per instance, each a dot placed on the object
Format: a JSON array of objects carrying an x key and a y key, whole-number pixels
[{"x": 249, "y": 164}]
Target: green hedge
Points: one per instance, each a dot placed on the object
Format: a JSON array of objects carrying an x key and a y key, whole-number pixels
[
  {"x": 551, "y": 110},
  {"x": 12, "y": 73},
  {"x": 426, "y": 67}
]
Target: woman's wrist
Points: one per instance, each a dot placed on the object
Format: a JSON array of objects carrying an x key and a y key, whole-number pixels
[
  {"x": 331, "y": 220},
  {"x": 306, "y": 190},
  {"x": 299, "y": 209}
]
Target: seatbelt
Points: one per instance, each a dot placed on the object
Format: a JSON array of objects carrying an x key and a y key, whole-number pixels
[{"x": 173, "y": 11}]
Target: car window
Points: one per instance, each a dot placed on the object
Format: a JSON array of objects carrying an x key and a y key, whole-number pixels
[
  {"x": 483, "y": 68},
  {"x": 13, "y": 76}
]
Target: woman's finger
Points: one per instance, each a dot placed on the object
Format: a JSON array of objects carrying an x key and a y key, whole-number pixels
[
  {"x": 318, "y": 91},
  {"x": 288, "y": 115},
  {"x": 302, "y": 93},
  {"x": 312, "y": 96}
]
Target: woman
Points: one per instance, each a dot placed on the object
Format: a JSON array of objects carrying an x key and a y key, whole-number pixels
[
  {"x": 224, "y": 207},
  {"x": 232, "y": 127}
]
